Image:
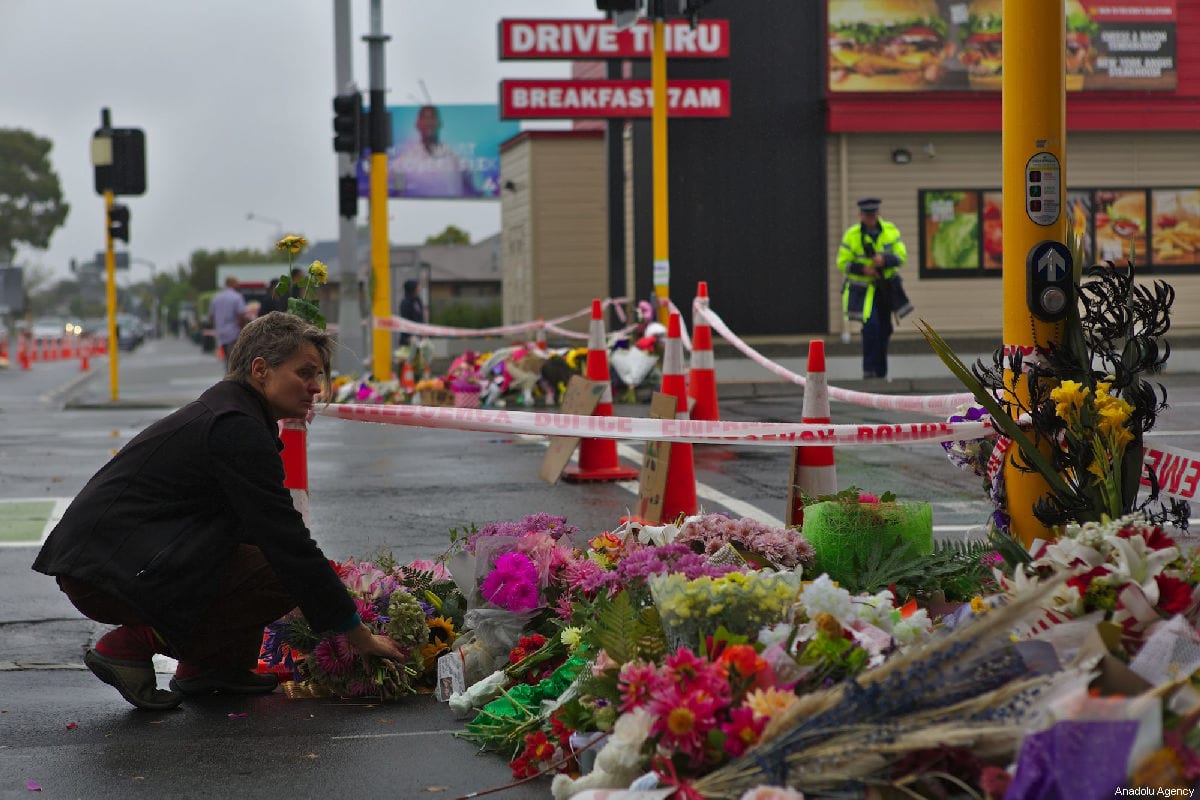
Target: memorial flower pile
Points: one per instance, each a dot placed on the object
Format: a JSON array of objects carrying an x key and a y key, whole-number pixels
[
  {"x": 1127, "y": 569},
  {"x": 414, "y": 604}
]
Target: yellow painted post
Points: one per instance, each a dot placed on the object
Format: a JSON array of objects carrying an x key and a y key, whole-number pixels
[
  {"x": 381, "y": 305},
  {"x": 110, "y": 295},
  {"x": 658, "y": 136},
  {"x": 1034, "y": 182}
]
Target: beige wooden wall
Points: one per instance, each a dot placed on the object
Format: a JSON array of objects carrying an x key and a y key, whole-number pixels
[
  {"x": 860, "y": 165},
  {"x": 554, "y": 226}
]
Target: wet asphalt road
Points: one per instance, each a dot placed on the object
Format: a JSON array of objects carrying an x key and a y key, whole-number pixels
[{"x": 372, "y": 487}]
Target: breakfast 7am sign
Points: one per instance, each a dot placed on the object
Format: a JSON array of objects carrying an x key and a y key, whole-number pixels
[{"x": 593, "y": 39}]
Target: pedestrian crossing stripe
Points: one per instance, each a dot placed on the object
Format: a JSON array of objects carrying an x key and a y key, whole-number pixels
[{"x": 26, "y": 521}]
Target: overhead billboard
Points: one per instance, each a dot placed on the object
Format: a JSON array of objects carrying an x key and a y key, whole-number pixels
[
  {"x": 443, "y": 152},
  {"x": 956, "y": 45}
]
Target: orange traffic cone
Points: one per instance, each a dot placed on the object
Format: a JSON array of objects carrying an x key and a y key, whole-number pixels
[
  {"x": 679, "y": 496},
  {"x": 813, "y": 470},
  {"x": 220, "y": 352},
  {"x": 598, "y": 457},
  {"x": 702, "y": 378},
  {"x": 407, "y": 380},
  {"x": 83, "y": 360},
  {"x": 294, "y": 435},
  {"x": 23, "y": 345}
]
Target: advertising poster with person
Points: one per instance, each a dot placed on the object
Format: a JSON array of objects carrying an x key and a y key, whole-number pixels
[
  {"x": 957, "y": 45},
  {"x": 444, "y": 152}
]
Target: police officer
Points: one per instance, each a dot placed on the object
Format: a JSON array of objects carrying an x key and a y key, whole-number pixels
[{"x": 870, "y": 255}]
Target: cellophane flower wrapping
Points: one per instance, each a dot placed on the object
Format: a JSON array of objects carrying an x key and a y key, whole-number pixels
[{"x": 742, "y": 603}]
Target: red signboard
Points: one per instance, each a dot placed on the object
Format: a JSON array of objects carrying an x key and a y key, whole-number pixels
[
  {"x": 589, "y": 38},
  {"x": 572, "y": 99}
]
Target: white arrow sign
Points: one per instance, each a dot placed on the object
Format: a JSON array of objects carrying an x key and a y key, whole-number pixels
[{"x": 1052, "y": 265}]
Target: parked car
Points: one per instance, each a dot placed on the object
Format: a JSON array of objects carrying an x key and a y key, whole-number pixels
[
  {"x": 130, "y": 331},
  {"x": 48, "y": 328}
]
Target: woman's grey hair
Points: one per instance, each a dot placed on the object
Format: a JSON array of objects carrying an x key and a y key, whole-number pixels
[{"x": 276, "y": 337}]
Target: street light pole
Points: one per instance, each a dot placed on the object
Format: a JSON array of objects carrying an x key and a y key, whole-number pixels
[
  {"x": 153, "y": 290},
  {"x": 252, "y": 217}
]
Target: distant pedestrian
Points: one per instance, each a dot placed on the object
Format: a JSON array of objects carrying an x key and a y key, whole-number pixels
[
  {"x": 870, "y": 256},
  {"x": 412, "y": 308},
  {"x": 189, "y": 542},
  {"x": 229, "y": 314},
  {"x": 274, "y": 301}
]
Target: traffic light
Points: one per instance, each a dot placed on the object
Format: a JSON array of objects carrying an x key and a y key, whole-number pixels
[
  {"x": 347, "y": 128},
  {"x": 118, "y": 222},
  {"x": 1049, "y": 291},
  {"x": 348, "y": 196}
]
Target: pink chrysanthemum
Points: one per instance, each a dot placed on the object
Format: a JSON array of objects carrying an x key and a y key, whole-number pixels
[
  {"x": 683, "y": 720},
  {"x": 335, "y": 655},
  {"x": 638, "y": 682},
  {"x": 742, "y": 730}
]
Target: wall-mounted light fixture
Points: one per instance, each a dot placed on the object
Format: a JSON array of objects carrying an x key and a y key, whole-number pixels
[{"x": 901, "y": 156}]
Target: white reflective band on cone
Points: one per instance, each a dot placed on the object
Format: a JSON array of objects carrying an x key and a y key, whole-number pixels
[
  {"x": 703, "y": 359},
  {"x": 596, "y": 335},
  {"x": 673, "y": 358},
  {"x": 607, "y": 396}
]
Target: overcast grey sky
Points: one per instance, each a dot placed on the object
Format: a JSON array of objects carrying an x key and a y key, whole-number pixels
[{"x": 235, "y": 99}]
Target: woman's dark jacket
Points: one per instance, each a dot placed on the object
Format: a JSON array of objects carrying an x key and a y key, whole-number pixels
[{"x": 157, "y": 524}]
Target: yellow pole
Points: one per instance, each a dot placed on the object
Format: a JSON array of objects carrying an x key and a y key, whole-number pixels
[
  {"x": 110, "y": 295},
  {"x": 1034, "y": 181},
  {"x": 381, "y": 340},
  {"x": 658, "y": 136}
]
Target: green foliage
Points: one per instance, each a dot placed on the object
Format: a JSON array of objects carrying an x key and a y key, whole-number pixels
[
  {"x": 467, "y": 315},
  {"x": 625, "y": 631},
  {"x": 956, "y": 569},
  {"x": 451, "y": 235},
  {"x": 31, "y": 201}
]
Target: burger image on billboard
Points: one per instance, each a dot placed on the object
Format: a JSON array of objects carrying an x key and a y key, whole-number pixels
[
  {"x": 1080, "y": 53},
  {"x": 983, "y": 44},
  {"x": 886, "y": 45}
]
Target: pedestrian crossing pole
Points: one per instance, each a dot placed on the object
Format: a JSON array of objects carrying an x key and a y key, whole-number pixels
[
  {"x": 658, "y": 137},
  {"x": 1034, "y": 181},
  {"x": 102, "y": 160},
  {"x": 381, "y": 300}
]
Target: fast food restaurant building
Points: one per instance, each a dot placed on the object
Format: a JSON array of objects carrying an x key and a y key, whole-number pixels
[{"x": 759, "y": 200}]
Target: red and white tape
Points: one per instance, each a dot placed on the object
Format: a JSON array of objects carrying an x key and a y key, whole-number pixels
[
  {"x": 788, "y": 434},
  {"x": 422, "y": 329},
  {"x": 1178, "y": 471},
  {"x": 930, "y": 404}
]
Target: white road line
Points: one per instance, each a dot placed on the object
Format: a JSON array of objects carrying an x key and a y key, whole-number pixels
[{"x": 398, "y": 734}]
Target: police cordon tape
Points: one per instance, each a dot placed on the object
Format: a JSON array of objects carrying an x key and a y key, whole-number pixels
[
  {"x": 787, "y": 434},
  {"x": 552, "y": 325},
  {"x": 931, "y": 404},
  {"x": 1177, "y": 471}
]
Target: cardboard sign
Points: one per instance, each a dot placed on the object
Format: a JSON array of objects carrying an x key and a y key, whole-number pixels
[
  {"x": 580, "y": 399},
  {"x": 655, "y": 460}
]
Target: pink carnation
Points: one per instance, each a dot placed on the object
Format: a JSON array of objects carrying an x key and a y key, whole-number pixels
[{"x": 512, "y": 584}]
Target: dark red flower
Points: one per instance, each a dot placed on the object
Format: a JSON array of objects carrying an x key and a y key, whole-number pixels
[
  {"x": 1174, "y": 595},
  {"x": 1084, "y": 579}
]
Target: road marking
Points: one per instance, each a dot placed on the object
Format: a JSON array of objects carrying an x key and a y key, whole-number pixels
[
  {"x": 396, "y": 735},
  {"x": 27, "y": 521}
]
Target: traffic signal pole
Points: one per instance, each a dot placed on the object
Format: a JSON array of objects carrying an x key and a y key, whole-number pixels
[
  {"x": 381, "y": 298},
  {"x": 110, "y": 291},
  {"x": 347, "y": 356},
  {"x": 658, "y": 138},
  {"x": 1034, "y": 180}
]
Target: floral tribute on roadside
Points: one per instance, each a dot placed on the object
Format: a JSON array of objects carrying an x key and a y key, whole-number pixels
[{"x": 713, "y": 657}]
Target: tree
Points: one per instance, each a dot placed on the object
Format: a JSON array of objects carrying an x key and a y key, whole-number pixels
[
  {"x": 31, "y": 202},
  {"x": 452, "y": 235}
]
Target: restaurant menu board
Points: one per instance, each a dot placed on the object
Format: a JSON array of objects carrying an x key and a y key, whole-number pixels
[
  {"x": 962, "y": 230},
  {"x": 1175, "y": 221},
  {"x": 956, "y": 45}
]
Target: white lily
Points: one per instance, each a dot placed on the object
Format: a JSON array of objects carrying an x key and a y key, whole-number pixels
[{"x": 1138, "y": 564}]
